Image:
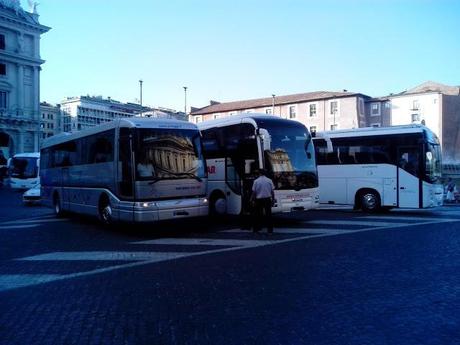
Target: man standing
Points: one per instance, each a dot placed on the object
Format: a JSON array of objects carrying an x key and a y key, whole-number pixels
[{"x": 262, "y": 198}]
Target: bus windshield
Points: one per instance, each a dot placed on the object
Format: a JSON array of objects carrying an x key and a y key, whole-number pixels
[
  {"x": 24, "y": 167},
  {"x": 168, "y": 154},
  {"x": 433, "y": 163},
  {"x": 291, "y": 160}
]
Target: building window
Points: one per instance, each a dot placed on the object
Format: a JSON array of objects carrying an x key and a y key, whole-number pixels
[
  {"x": 375, "y": 109},
  {"x": 415, "y": 117},
  {"x": 2, "y": 69},
  {"x": 292, "y": 112},
  {"x": 312, "y": 110},
  {"x": 2, "y": 42},
  {"x": 387, "y": 105},
  {"x": 334, "y": 127},
  {"x": 198, "y": 119},
  {"x": 268, "y": 111},
  {"x": 334, "y": 107},
  {"x": 415, "y": 105},
  {"x": 361, "y": 106},
  {"x": 375, "y": 124},
  {"x": 312, "y": 129},
  {"x": 3, "y": 99}
]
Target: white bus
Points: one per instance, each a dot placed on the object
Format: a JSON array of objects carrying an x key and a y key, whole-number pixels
[
  {"x": 235, "y": 146},
  {"x": 23, "y": 170},
  {"x": 373, "y": 168},
  {"x": 135, "y": 170}
]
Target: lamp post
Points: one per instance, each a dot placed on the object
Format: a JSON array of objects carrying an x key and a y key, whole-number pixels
[
  {"x": 273, "y": 104},
  {"x": 185, "y": 102},
  {"x": 140, "y": 89}
]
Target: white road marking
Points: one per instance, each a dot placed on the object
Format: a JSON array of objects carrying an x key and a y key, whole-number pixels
[
  {"x": 5, "y": 227},
  {"x": 353, "y": 222},
  {"x": 401, "y": 217},
  {"x": 203, "y": 241},
  {"x": 105, "y": 256},
  {"x": 13, "y": 281},
  {"x": 290, "y": 231},
  {"x": 43, "y": 220},
  {"x": 7, "y": 282}
]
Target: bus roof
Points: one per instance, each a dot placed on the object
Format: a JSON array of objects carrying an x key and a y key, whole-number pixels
[
  {"x": 241, "y": 118},
  {"x": 131, "y": 122},
  {"x": 27, "y": 155},
  {"x": 372, "y": 131}
]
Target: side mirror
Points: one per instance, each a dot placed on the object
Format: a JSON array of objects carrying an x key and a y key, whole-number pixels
[
  {"x": 266, "y": 139},
  {"x": 247, "y": 165}
]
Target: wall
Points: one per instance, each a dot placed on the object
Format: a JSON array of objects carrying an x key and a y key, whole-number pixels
[{"x": 451, "y": 129}]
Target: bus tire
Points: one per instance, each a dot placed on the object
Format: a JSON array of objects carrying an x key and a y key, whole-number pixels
[
  {"x": 105, "y": 210},
  {"x": 370, "y": 200},
  {"x": 57, "y": 205},
  {"x": 217, "y": 204}
]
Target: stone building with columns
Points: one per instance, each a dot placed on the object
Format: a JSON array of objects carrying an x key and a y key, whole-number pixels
[{"x": 20, "y": 63}]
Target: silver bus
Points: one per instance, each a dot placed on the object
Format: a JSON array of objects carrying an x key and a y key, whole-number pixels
[{"x": 135, "y": 170}]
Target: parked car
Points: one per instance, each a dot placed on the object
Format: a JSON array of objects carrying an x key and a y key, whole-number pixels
[{"x": 32, "y": 195}]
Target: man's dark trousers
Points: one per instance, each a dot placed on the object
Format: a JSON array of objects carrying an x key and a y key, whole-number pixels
[{"x": 262, "y": 215}]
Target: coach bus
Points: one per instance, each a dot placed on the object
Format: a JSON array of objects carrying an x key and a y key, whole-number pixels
[
  {"x": 135, "y": 170},
  {"x": 23, "y": 170},
  {"x": 236, "y": 146},
  {"x": 374, "y": 168}
]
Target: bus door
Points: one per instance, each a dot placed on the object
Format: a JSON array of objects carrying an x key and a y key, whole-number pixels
[
  {"x": 408, "y": 172},
  {"x": 233, "y": 189},
  {"x": 124, "y": 171}
]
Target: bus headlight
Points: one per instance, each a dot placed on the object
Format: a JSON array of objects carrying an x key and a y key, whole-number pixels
[
  {"x": 146, "y": 204},
  {"x": 205, "y": 201}
]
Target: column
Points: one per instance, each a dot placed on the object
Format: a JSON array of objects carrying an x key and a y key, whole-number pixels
[
  {"x": 36, "y": 90},
  {"x": 20, "y": 89},
  {"x": 20, "y": 142}
]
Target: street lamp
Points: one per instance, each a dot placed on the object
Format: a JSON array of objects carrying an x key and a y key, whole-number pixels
[
  {"x": 273, "y": 104},
  {"x": 185, "y": 101},
  {"x": 140, "y": 87}
]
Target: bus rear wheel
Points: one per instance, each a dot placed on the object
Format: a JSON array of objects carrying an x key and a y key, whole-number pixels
[
  {"x": 370, "y": 201},
  {"x": 57, "y": 205},
  {"x": 105, "y": 211}
]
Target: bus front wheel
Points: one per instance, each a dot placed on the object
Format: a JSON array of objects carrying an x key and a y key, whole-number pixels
[
  {"x": 105, "y": 211},
  {"x": 217, "y": 205},
  {"x": 370, "y": 201}
]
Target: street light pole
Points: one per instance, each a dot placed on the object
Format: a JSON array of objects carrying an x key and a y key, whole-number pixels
[
  {"x": 140, "y": 87},
  {"x": 273, "y": 104},
  {"x": 185, "y": 101}
]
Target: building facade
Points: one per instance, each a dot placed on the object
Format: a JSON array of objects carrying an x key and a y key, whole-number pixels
[
  {"x": 87, "y": 111},
  {"x": 438, "y": 107},
  {"x": 50, "y": 122},
  {"x": 20, "y": 63},
  {"x": 432, "y": 104},
  {"x": 165, "y": 113},
  {"x": 319, "y": 110}
]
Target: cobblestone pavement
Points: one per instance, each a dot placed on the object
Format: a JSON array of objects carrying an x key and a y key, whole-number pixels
[{"x": 331, "y": 276}]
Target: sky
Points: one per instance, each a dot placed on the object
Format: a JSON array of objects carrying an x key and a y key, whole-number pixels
[{"x": 244, "y": 49}]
